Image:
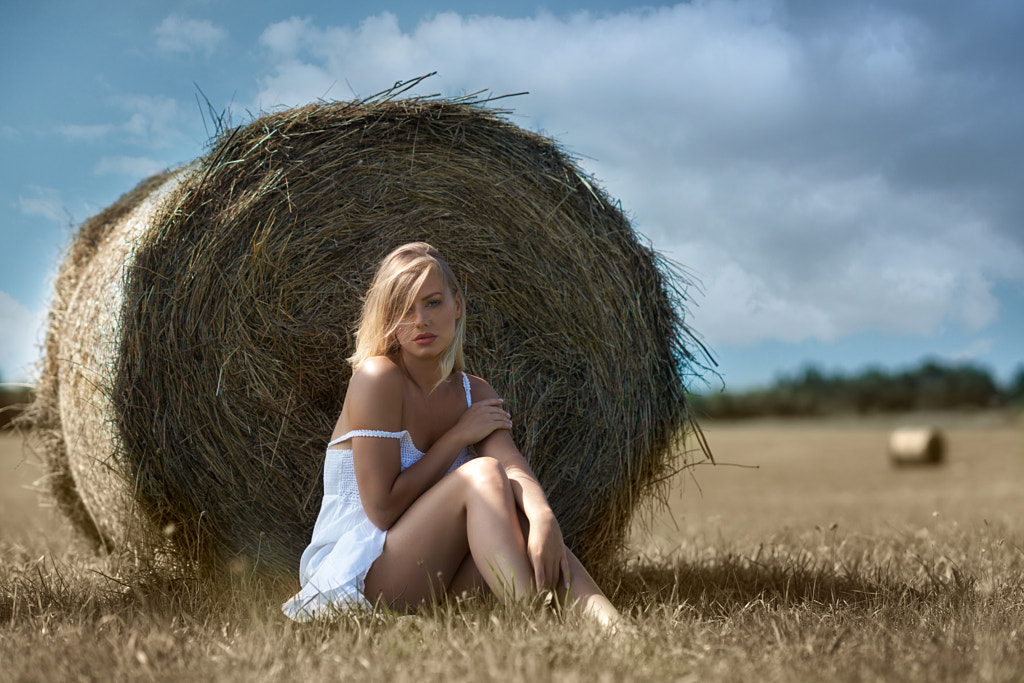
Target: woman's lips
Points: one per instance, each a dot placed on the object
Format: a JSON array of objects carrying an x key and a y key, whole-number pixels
[{"x": 425, "y": 339}]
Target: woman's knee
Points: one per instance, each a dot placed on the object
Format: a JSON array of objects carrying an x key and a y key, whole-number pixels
[{"x": 485, "y": 474}]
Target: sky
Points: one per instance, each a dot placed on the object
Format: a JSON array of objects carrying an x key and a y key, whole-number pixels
[{"x": 844, "y": 181}]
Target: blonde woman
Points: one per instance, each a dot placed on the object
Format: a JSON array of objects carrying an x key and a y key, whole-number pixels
[{"x": 425, "y": 493}]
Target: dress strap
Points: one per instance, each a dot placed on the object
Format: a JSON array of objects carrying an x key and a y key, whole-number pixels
[
  {"x": 366, "y": 432},
  {"x": 469, "y": 394}
]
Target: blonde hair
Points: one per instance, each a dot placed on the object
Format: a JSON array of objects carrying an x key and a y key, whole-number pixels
[{"x": 391, "y": 295}]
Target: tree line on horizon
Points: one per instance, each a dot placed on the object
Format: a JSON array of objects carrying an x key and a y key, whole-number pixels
[
  {"x": 808, "y": 392},
  {"x": 13, "y": 398},
  {"x": 812, "y": 391}
]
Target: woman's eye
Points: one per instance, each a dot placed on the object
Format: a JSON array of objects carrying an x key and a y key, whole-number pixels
[{"x": 433, "y": 303}]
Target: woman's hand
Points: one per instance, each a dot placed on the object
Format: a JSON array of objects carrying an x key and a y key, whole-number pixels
[
  {"x": 481, "y": 419},
  {"x": 546, "y": 550},
  {"x": 544, "y": 544}
]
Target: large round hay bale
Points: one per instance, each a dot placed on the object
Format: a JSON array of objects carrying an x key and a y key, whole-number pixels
[
  {"x": 916, "y": 446},
  {"x": 196, "y": 359}
]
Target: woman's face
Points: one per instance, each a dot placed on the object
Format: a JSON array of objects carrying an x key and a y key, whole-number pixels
[{"x": 428, "y": 327}]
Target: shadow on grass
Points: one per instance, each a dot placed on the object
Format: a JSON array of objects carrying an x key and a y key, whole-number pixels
[
  {"x": 729, "y": 584},
  {"x": 720, "y": 587}
]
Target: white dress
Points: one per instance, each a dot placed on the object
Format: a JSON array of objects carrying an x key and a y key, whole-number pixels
[{"x": 345, "y": 542}]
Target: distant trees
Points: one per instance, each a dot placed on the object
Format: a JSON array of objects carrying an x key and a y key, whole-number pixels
[
  {"x": 12, "y": 399},
  {"x": 806, "y": 393},
  {"x": 1015, "y": 390},
  {"x": 811, "y": 391}
]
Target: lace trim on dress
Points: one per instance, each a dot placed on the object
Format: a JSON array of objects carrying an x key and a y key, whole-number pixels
[
  {"x": 469, "y": 394},
  {"x": 367, "y": 432}
]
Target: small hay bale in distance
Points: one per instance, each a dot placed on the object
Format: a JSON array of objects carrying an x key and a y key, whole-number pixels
[
  {"x": 916, "y": 446},
  {"x": 223, "y": 367}
]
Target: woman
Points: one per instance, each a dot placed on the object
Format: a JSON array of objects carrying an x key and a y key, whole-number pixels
[{"x": 400, "y": 525}]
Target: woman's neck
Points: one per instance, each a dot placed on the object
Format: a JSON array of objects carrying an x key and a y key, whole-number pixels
[{"x": 424, "y": 373}]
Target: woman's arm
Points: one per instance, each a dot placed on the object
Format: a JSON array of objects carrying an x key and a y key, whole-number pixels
[
  {"x": 545, "y": 545},
  {"x": 374, "y": 401}
]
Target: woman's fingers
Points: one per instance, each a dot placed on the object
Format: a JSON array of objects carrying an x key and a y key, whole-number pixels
[
  {"x": 546, "y": 571},
  {"x": 483, "y": 418},
  {"x": 493, "y": 408},
  {"x": 499, "y": 414},
  {"x": 539, "y": 573}
]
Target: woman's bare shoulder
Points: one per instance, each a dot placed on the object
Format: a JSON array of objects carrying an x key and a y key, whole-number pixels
[
  {"x": 375, "y": 394},
  {"x": 480, "y": 388},
  {"x": 377, "y": 374},
  {"x": 378, "y": 368}
]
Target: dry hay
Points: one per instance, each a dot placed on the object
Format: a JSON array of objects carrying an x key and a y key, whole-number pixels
[
  {"x": 70, "y": 415},
  {"x": 197, "y": 344},
  {"x": 916, "y": 446}
]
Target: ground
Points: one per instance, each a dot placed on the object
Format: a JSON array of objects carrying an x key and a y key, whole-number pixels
[{"x": 803, "y": 555}]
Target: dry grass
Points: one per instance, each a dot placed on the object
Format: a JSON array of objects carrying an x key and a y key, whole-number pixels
[{"x": 759, "y": 585}]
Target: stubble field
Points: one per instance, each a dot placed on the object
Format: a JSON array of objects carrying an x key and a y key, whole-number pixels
[{"x": 802, "y": 556}]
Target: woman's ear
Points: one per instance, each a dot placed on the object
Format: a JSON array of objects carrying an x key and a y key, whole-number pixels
[{"x": 458, "y": 305}]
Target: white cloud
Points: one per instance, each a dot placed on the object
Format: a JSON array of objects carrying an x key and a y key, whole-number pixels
[
  {"x": 788, "y": 166},
  {"x": 287, "y": 37},
  {"x": 792, "y": 258},
  {"x": 180, "y": 35},
  {"x": 20, "y": 335},
  {"x": 42, "y": 201},
  {"x": 135, "y": 167},
  {"x": 976, "y": 349},
  {"x": 153, "y": 121},
  {"x": 85, "y": 132}
]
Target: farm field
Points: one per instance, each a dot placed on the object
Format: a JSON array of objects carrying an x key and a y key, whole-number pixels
[
  {"x": 776, "y": 477},
  {"x": 802, "y": 556}
]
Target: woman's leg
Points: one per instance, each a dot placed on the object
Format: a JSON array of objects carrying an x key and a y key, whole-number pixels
[
  {"x": 585, "y": 591},
  {"x": 470, "y": 512},
  {"x": 582, "y": 590}
]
